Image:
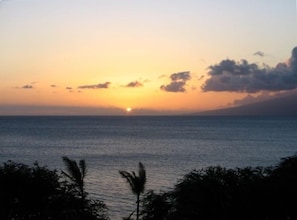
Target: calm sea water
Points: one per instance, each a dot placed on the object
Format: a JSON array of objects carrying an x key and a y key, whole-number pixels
[{"x": 169, "y": 147}]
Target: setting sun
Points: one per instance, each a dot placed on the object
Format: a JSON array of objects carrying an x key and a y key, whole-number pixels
[{"x": 167, "y": 60}]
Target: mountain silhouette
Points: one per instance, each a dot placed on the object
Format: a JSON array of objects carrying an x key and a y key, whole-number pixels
[{"x": 280, "y": 106}]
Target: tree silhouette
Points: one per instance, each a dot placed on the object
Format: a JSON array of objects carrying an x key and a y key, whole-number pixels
[
  {"x": 137, "y": 183},
  {"x": 36, "y": 192},
  {"x": 76, "y": 173},
  {"x": 157, "y": 206}
]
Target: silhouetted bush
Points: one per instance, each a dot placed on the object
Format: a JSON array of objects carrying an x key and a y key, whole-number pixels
[
  {"x": 212, "y": 193},
  {"x": 157, "y": 206},
  {"x": 30, "y": 193},
  {"x": 218, "y": 193}
]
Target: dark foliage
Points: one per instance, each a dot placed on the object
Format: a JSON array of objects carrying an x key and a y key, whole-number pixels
[
  {"x": 157, "y": 206},
  {"x": 213, "y": 193},
  {"x": 219, "y": 193},
  {"x": 137, "y": 183},
  {"x": 76, "y": 174},
  {"x": 29, "y": 193}
]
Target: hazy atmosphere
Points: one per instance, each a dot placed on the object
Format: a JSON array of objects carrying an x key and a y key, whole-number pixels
[
  {"x": 144, "y": 57},
  {"x": 211, "y": 88}
]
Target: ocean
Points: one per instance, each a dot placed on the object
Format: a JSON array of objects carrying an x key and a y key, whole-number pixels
[{"x": 168, "y": 146}]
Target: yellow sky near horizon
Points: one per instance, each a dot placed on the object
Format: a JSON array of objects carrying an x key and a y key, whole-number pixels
[{"x": 139, "y": 54}]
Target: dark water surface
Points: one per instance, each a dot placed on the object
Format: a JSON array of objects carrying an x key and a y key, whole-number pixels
[{"x": 169, "y": 147}]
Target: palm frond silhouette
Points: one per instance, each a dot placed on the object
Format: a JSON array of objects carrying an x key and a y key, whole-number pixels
[
  {"x": 76, "y": 173},
  {"x": 136, "y": 182}
]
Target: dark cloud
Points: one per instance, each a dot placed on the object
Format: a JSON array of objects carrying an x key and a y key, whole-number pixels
[
  {"x": 174, "y": 87},
  {"x": 134, "y": 84},
  {"x": 178, "y": 82},
  {"x": 181, "y": 76},
  {"x": 53, "y": 86},
  {"x": 68, "y": 88},
  {"x": 293, "y": 60},
  {"x": 259, "y": 53},
  {"x": 242, "y": 76},
  {"x": 97, "y": 86},
  {"x": 27, "y": 87}
]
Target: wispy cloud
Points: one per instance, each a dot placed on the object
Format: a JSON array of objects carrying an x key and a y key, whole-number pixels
[
  {"x": 242, "y": 76},
  {"x": 201, "y": 77},
  {"x": 134, "y": 84},
  {"x": 162, "y": 76},
  {"x": 96, "y": 86},
  {"x": 250, "y": 99},
  {"x": 259, "y": 53},
  {"x": 178, "y": 82},
  {"x": 27, "y": 87}
]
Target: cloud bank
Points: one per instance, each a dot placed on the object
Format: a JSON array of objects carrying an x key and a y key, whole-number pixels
[
  {"x": 242, "y": 76},
  {"x": 178, "y": 82}
]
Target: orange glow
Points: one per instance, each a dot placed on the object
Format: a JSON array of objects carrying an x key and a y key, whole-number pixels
[{"x": 94, "y": 58}]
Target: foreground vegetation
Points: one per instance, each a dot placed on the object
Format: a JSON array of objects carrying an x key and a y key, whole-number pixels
[
  {"x": 211, "y": 193},
  {"x": 37, "y": 193},
  {"x": 219, "y": 193}
]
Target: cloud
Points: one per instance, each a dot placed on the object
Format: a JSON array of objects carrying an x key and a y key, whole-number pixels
[
  {"x": 68, "y": 88},
  {"x": 134, "y": 84},
  {"x": 174, "y": 87},
  {"x": 181, "y": 76},
  {"x": 27, "y": 87},
  {"x": 97, "y": 86},
  {"x": 293, "y": 60},
  {"x": 178, "y": 82},
  {"x": 201, "y": 77},
  {"x": 263, "y": 96},
  {"x": 242, "y": 76},
  {"x": 259, "y": 53}
]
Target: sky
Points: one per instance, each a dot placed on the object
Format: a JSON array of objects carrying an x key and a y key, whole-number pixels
[{"x": 153, "y": 56}]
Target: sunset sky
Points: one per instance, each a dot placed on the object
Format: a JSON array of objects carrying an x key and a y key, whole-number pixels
[{"x": 154, "y": 56}]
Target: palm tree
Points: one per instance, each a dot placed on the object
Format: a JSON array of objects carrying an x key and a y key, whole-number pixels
[
  {"x": 137, "y": 183},
  {"x": 76, "y": 173}
]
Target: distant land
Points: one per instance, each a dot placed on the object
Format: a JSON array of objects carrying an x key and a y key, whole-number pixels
[
  {"x": 284, "y": 105},
  {"x": 280, "y": 106}
]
